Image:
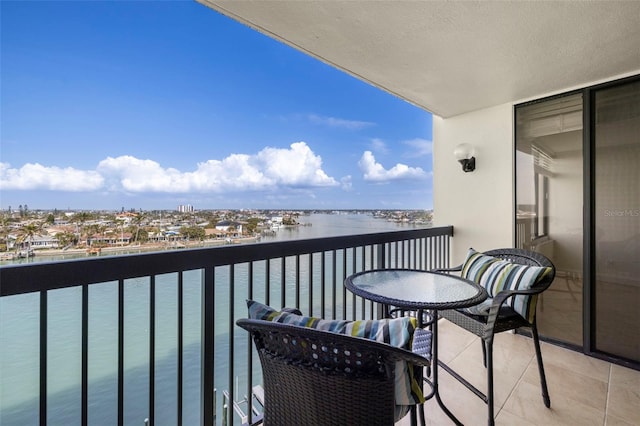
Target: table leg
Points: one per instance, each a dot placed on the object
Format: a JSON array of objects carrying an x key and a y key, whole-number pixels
[{"x": 434, "y": 362}]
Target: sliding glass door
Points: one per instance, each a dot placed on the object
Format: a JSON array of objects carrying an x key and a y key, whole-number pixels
[
  {"x": 577, "y": 194},
  {"x": 549, "y": 200},
  {"x": 616, "y": 217}
]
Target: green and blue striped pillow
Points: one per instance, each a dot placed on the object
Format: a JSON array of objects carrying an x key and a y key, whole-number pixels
[
  {"x": 496, "y": 275},
  {"x": 396, "y": 332}
]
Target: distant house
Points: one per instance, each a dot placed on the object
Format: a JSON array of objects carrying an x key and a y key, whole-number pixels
[
  {"x": 214, "y": 233},
  {"x": 275, "y": 222},
  {"x": 126, "y": 217},
  {"x": 39, "y": 242},
  {"x": 110, "y": 239},
  {"x": 227, "y": 226},
  {"x": 60, "y": 229}
]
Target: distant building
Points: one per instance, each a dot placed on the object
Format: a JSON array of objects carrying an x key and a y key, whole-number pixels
[
  {"x": 188, "y": 208},
  {"x": 230, "y": 227},
  {"x": 39, "y": 242},
  {"x": 52, "y": 231},
  {"x": 214, "y": 233},
  {"x": 110, "y": 239},
  {"x": 126, "y": 217}
]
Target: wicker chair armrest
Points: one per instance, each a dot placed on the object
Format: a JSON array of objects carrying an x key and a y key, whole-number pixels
[
  {"x": 418, "y": 360},
  {"x": 500, "y": 298}
]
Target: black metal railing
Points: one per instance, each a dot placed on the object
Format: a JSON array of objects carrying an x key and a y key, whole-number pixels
[{"x": 205, "y": 291}]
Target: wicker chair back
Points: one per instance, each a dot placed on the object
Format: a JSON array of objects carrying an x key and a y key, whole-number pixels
[{"x": 314, "y": 377}]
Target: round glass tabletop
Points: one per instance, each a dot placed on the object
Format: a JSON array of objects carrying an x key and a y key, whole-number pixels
[{"x": 416, "y": 289}]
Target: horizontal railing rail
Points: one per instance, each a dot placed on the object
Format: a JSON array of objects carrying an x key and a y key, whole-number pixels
[{"x": 307, "y": 274}]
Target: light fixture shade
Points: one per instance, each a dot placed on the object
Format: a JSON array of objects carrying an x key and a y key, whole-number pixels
[{"x": 464, "y": 151}]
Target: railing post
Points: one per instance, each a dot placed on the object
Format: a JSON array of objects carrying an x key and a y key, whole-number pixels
[
  {"x": 208, "y": 335},
  {"x": 43, "y": 357},
  {"x": 380, "y": 256},
  {"x": 380, "y": 264}
]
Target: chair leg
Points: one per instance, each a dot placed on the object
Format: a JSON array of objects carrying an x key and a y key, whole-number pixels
[
  {"x": 489, "y": 364},
  {"x": 413, "y": 416},
  {"x": 484, "y": 353},
  {"x": 543, "y": 378}
]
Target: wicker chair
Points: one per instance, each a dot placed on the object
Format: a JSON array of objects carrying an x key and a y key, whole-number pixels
[
  {"x": 502, "y": 318},
  {"x": 314, "y": 377}
]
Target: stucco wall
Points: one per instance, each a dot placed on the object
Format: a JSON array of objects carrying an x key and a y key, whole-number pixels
[{"x": 478, "y": 204}]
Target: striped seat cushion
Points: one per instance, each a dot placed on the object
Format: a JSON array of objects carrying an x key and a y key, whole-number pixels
[
  {"x": 496, "y": 275},
  {"x": 396, "y": 332}
]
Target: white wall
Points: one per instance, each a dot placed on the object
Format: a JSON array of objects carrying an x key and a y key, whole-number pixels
[{"x": 478, "y": 204}]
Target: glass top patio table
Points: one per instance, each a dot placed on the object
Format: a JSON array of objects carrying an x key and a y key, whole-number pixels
[
  {"x": 420, "y": 291},
  {"x": 413, "y": 289}
]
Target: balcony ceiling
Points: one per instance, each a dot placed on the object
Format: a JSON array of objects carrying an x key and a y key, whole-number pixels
[{"x": 452, "y": 57}]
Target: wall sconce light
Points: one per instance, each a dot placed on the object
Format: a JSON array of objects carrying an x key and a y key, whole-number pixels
[{"x": 464, "y": 154}]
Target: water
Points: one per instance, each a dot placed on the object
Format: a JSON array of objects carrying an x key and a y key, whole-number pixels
[{"x": 19, "y": 334}]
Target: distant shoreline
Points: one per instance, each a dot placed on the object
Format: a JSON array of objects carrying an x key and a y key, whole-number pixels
[{"x": 154, "y": 247}]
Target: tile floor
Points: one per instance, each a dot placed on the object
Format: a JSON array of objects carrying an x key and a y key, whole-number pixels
[{"x": 583, "y": 390}]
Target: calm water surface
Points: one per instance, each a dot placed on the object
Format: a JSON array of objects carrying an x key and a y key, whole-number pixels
[{"x": 19, "y": 332}]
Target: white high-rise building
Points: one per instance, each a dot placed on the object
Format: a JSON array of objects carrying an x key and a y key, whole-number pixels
[{"x": 185, "y": 208}]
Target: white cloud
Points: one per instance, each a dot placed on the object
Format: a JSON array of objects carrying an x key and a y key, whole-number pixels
[
  {"x": 296, "y": 167},
  {"x": 378, "y": 145},
  {"x": 421, "y": 147},
  {"x": 135, "y": 175},
  {"x": 36, "y": 176},
  {"x": 339, "y": 122},
  {"x": 272, "y": 168},
  {"x": 375, "y": 172}
]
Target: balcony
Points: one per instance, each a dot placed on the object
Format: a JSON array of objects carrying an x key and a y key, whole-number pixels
[
  {"x": 147, "y": 339},
  {"x": 583, "y": 390}
]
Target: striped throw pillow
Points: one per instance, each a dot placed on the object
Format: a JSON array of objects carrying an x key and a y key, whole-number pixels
[
  {"x": 396, "y": 332},
  {"x": 496, "y": 275}
]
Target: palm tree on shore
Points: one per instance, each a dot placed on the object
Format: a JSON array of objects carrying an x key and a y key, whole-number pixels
[
  {"x": 80, "y": 219},
  {"x": 137, "y": 221},
  {"x": 28, "y": 231},
  {"x": 4, "y": 230},
  {"x": 66, "y": 239},
  {"x": 90, "y": 232}
]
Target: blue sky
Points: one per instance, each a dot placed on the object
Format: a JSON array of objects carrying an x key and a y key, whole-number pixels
[{"x": 148, "y": 105}]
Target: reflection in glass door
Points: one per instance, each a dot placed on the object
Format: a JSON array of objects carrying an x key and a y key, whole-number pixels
[
  {"x": 617, "y": 220},
  {"x": 549, "y": 202}
]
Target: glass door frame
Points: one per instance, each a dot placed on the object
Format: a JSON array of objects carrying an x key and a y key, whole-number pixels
[{"x": 589, "y": 215}]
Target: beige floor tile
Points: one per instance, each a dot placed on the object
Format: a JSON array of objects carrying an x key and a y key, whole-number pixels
[
  {"x": 624, "y": 402},
  {"x": 453, "y": 340},
  {"x": 508, "y": 346},
  {"x": 511, "y": 356},
  {"x": 467, "y": 407},
  {"x": 568, "y": 384},
  {"x": 625, "y": 377},
  {"x": 525, "y": 403},
  {"x": 575, "y": 361},
  {"x": 505, "y": 418},
  {"x": 615, "y": 421},
  {"x": 506, "y": 372}
]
